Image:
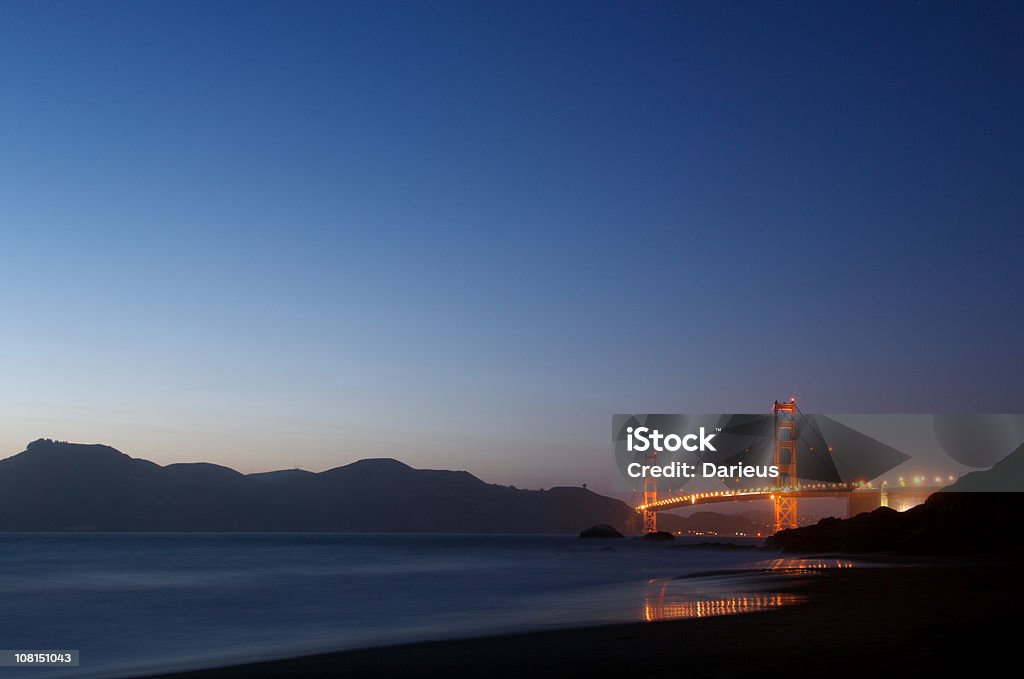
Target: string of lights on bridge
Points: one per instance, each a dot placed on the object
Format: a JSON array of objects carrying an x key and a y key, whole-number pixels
[{"x": 768, "y": 492}]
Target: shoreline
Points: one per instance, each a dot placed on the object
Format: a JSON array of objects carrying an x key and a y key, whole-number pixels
[{"x": 929, "y": 614}]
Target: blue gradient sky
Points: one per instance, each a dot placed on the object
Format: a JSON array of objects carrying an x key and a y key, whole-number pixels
[{"x": 464, "y": 234}]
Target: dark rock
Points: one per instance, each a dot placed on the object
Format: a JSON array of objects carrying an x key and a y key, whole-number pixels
[
  {"x": 601, "y": 530},
  {"x": 659, "y": 535}
]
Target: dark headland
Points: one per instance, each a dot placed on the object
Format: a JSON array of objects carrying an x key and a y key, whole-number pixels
[{"x": 977, "y": 515}]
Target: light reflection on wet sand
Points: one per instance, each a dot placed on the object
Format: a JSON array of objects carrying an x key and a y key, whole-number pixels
[
  {"x": 804, "y": 566},
  {"x": 666, "y": 600},
  {"x": 660, "y": 608}
]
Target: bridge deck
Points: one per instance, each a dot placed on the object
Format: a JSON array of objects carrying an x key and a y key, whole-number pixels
[
  {"x": 809, "y": 490},
  {"x": 749, "y": 495}
]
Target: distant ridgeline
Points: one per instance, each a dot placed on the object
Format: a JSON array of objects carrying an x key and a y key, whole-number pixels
[{"x": 55, "y": 485}]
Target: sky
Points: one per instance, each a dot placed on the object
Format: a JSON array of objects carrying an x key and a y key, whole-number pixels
[{"x": 462, "y": 234}]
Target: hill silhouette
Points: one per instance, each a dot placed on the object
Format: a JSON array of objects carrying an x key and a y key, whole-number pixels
[{"x": 67, "y": 486}]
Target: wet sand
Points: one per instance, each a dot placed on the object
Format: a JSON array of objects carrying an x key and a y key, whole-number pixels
[{"x": 931, "y": 617}]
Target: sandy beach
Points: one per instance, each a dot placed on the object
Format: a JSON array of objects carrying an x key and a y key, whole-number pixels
[{"x": 921, "y": 616}]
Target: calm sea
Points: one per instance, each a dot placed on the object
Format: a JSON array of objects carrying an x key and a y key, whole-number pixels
[{"x": 134, "y": 603}]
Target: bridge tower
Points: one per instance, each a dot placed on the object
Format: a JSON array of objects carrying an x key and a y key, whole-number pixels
[
  {"x": 785, "y": 459},
  {"x": 650, "y": 493}
]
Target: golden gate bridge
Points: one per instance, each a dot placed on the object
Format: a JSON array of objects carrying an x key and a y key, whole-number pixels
[{"x": 784, "y": 490}]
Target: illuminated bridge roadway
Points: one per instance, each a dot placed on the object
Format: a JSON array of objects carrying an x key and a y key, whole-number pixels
[
  {"x": 766, "y": 493},
  {"x": 897, "y": 497}
]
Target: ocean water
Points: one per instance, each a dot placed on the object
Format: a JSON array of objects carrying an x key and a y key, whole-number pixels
[{"x": 134, "y": 603}]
